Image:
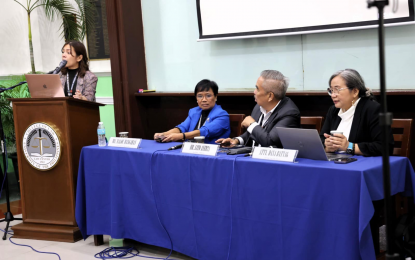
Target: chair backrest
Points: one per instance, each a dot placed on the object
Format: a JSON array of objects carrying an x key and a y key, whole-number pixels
[
  {"x": 312, "y": 122},
  {"x": 236, "y": 122},
  {"x": 401, "y": 129}
]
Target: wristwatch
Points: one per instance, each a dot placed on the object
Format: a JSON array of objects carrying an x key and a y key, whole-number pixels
[{"x": 350, "y": 148}]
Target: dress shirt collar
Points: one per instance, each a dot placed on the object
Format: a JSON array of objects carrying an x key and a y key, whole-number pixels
[{"x": 264, "y": 112}]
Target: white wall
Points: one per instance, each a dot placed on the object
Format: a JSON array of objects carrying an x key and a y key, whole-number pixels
[
  {"x": 176, "y": 61},
  {"x": 47, "y": 41}
]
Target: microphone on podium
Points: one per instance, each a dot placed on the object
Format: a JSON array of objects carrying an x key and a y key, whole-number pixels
[{"x": 61, "y": 65}]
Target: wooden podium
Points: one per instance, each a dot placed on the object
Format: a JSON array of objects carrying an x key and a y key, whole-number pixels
[{"x": 48, "y": 196}]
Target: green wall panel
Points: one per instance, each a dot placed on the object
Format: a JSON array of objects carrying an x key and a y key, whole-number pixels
[
  {"x": 104, "y": 87},
  {"x": 107, "y": 117}
]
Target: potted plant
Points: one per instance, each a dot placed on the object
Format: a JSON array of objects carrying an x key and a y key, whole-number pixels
[{"x": 6, "y": 111}]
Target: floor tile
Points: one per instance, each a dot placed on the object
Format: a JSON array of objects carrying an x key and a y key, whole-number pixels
[{"x": 80, "y": 250}]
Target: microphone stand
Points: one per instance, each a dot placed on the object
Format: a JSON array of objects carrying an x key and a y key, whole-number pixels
[
  {"x": 8, "y": 215},
  {"x": 385, "y": 121}
]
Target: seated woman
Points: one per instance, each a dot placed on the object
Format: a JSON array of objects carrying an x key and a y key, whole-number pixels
[
  {"x": 356, "y": 114},
  {"x": 76, "y": 78},
  {"x": 208, "y": 119}
]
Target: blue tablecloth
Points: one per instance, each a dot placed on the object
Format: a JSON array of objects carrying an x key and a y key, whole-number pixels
[{"x": 230, "y": 207}]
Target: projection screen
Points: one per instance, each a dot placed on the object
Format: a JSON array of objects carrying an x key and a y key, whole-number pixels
[{"x": 230, "y": 19}]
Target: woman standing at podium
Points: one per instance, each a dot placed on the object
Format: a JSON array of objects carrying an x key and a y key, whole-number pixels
[
  {"x": 76, "y": 78},
  {"x": 207, "y": 119},
  {"x": 355, "y": 114}
]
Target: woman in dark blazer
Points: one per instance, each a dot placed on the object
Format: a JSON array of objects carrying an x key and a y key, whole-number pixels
[
  {"x": 355, "y": 114},
  {"x": 207, "y": 119},
  {"x": 76, "y": 78}
]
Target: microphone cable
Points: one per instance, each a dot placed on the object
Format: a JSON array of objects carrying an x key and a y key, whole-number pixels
[
  {"x": 117, "y": 252},
  {"x": 121, "y": 253},
  {"x": 40, "y": 252}
]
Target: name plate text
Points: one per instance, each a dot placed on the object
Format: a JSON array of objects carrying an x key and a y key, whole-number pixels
[
  {"x": 203, "y": 149},
  {"x": 124, "y": 142},
  {"x": 283, "y": 155}
]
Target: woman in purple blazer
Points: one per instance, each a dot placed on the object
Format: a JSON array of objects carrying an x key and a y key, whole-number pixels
[
  {"x": 208, "y": 119},
  {"x": 76, "y": 78}
]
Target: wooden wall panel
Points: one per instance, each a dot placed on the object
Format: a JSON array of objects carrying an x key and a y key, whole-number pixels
[{"x": 128, "y": 65}]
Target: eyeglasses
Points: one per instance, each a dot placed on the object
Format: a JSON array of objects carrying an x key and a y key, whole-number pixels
[
  {"x": 207, "y": 96},
  {"x": 334, "y": 91}
]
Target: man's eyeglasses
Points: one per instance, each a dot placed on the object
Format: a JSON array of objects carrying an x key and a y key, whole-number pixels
[
  {"x": 334, "y": 91},
  {"x": 207, "y": 96}
]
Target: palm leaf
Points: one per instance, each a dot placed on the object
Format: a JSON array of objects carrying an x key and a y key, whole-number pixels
[
  {"x": 75, "y": 21},
  {"x": 88, "y": 15},
  {"x": 57, "y": 8},
  {"x": 70, "y": 28}
]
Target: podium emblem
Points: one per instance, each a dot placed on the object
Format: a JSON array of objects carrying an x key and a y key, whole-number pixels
[{"x": 41, "y": 146}]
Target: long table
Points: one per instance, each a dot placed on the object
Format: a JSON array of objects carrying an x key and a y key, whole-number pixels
[{"x": 233, "y": 207}]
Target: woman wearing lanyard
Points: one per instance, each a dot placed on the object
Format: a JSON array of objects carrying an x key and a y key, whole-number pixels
[
  {"x": 208, "y": 119},
  {"x": 76, "y": 79},
  {"x": 355, "y": 113}
]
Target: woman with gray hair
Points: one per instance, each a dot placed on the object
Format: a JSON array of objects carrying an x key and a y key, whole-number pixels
[{"x": 354, "y": 115}]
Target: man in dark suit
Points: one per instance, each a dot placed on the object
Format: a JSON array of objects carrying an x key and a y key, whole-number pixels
[{"x": 273, "y": 110}]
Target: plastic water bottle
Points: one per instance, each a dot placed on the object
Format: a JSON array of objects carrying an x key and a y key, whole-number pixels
[{"x": 101, "y": 134}]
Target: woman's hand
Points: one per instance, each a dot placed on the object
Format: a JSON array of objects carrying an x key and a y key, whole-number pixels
[
  {"x": 158, "y": 135},
  {"x": 338, "y": 141},
  {"x": 173, "y": 137},
  {"x": 78, "y": 95},
  {"x": 329, "y": 144}
]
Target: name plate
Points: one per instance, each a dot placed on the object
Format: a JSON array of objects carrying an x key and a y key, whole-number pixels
[
  {"x": 124, "y": 142},
  {"x": 284, "y": 155},
  {"x": 203, "y": 149}
]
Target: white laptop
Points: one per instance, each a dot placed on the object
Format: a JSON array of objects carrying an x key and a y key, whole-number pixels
[
  {"x": 44, "y": 85},
  {"x": 308, "y": 144}
]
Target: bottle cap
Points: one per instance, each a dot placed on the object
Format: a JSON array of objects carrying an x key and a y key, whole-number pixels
[{"x": 100, "y": 123}]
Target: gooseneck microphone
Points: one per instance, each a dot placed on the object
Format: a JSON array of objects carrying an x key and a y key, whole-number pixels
[{"x": 61, "y": 65}]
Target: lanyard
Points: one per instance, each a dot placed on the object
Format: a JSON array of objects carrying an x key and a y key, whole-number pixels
[
  {"x": 200, "y": 121},
  {"x": 73, "y": 83}
]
